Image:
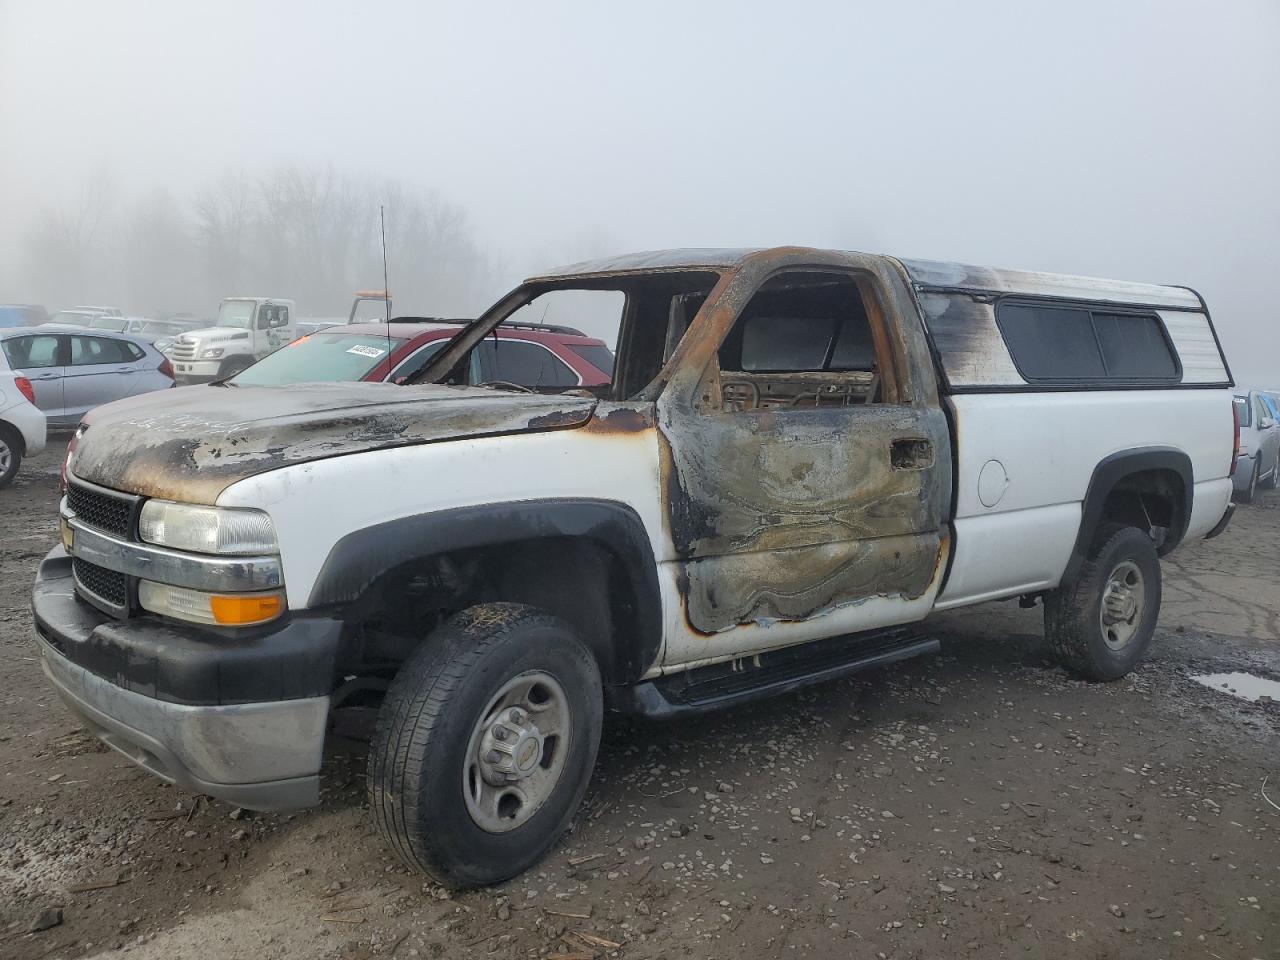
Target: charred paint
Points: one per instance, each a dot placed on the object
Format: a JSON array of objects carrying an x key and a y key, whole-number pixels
[
  {"x": 791, "y": 584},
  {"x": 783, "y": 513},
  {"x": 191, "y": 444}
]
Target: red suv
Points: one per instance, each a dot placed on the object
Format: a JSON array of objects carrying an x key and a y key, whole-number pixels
[{"x": 531, "y": 355}]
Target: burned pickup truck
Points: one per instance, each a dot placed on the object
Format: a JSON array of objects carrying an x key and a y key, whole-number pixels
[{"x": 802, "y": 454}]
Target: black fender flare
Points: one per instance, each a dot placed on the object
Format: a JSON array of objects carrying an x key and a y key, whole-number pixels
[
  {"x": 1109, "y": 472},
  {"x": 358, "y": 559}
]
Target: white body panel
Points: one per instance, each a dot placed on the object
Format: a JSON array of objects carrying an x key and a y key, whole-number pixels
[
  {"x": 315, "y": 504},
  {"x": 17, "y": 411},
  {"x": 1048, "y": 445}
]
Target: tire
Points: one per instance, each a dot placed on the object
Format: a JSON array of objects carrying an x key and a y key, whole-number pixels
[
  {"x": 1249, "y": 492},
  {"x": 431, "y": 764},
  {"x": 1092, "y": 637},
  {"x": 10, "y": 455}
]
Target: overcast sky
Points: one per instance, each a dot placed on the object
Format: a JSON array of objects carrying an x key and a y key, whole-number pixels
[{"x": 1138, "y": 140}]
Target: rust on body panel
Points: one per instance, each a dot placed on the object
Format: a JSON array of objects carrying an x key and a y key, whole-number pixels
[{"x": 621, "y": 418}]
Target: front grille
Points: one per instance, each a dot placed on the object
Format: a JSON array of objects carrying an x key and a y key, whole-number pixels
[
  {"x": 183, "y": 351},
  {"x": 108, "y": 512},
  {"x": 106, "y": 585}
]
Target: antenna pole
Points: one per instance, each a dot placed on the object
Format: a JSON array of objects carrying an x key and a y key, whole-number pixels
[{"x": 386, "y": 288}]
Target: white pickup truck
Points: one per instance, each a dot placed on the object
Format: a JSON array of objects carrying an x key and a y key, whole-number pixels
[{"x": 803, "y": 454}]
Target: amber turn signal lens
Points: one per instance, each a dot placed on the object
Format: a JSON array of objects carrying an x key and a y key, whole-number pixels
[{"x": 242, "y": 610}]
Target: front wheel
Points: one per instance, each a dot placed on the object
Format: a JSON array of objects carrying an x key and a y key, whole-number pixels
[
  {"x": 1100, "y": 625},
  {"x": 10, "y": 456},
  {"x": 485, "y": 744}
]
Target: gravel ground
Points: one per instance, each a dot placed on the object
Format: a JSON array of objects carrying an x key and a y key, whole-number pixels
[{"x": 978, "y": 803}]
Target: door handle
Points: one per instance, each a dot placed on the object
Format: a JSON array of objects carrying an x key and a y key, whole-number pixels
[{"x": 911, "y": 453}]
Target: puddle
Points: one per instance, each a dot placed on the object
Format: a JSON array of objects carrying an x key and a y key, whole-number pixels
[{"x": 1243, "y": 685}]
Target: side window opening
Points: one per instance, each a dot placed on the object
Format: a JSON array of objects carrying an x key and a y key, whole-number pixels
[{"x": 803, "y": 340}]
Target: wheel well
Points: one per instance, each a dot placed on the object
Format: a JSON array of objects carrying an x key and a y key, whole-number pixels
[
  {"x": 1151, "y": 500},
  {"x": 15, "y": 437},
  {"x": 573, "y": 578}
]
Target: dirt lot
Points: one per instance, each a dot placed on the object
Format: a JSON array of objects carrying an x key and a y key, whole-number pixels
[{"x": 979, "y": 803}]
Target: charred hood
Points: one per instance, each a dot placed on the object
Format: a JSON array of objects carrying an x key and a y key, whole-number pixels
[{"x": 191, "y": 443}]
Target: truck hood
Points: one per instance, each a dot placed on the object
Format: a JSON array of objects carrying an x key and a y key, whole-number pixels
[{"x": 191, "y": 443}]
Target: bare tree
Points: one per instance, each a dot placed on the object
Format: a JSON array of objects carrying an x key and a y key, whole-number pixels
[
  {"x": 226, "y": 216},
  {"x": 63, "y": 264},
  {"x": 295, "y": 231}
]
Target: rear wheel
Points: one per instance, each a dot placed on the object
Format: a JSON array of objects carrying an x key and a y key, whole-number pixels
[
  {"x": 10, "y": 455},
  {"x": 1100, "y": 625},
  {"x": 485, "y": 744}
]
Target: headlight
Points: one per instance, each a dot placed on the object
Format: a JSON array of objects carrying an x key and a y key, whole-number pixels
[
  {"x": 185, "y": 526},
  {"x": 213, "y": 353}
]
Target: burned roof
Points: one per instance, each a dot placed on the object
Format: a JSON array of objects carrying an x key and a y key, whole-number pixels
[
  {"x": 925, "y": 275},
  {"x": 687, "y": 258}
]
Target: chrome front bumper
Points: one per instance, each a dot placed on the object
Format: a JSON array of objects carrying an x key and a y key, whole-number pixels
[{"x": 263, "y": 756}]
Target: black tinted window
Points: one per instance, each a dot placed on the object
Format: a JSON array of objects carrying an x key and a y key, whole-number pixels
[
  {"x": 1051, "y": 343},
  {"x": 527, "y": 364},
  {"x": 1134, "y": 347},
  {"x": 91, "y": 350},
  {"x": 600, "y": 357},
  {"x": 419, "y": 359},
  {"x": 31, "y": 353},
  {"x": 789, "y": 344},
  {"x": 854, "y": 349}
]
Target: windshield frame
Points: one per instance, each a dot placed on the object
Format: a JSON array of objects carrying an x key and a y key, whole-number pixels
[
  {"x": 630, "y": 283},
  {"x": 248, "y": 324}
]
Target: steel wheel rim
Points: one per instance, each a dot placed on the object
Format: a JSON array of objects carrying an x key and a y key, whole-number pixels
[
  {"x": 1120, "y": 614},
  {"x": 517, "y": 752}
]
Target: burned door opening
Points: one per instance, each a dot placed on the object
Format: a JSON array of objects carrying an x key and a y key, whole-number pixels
[{"x": 806, "y": 476}]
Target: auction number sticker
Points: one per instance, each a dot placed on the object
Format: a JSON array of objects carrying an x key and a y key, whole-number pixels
[{"x": 364, "y": 351}]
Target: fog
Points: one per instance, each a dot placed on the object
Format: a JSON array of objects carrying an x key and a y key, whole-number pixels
[{"x": 1134, "y": 140}]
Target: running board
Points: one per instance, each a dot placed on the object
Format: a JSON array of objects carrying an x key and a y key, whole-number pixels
[{"x": 767, "y": 674}]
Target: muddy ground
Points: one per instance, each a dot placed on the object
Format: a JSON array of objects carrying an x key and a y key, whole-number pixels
[{"x": 978, "y": 803}]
